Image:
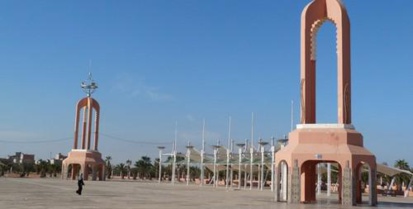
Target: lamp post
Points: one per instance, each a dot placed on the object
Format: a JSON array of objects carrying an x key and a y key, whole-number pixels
[
  {"x": 272, "y": 163},
  {"x": 240, "y": 147},
  {"x": 173, "y": 164},
  {"x": 160, "y": 162},
  {"x": 251, "y": 162},
  {"x": 188, "y": 155},
  {"x": 262, "y": 144},
  {"x": 216, "y": 147}
]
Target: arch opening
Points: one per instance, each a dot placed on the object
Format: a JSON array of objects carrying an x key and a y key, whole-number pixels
[
  {"x": 324, "y": 49},
  {"x": 315, "y": 182},
  {"x": 282, "y": 184}
]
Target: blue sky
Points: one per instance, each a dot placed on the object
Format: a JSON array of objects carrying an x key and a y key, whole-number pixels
[{"x": 159, "y": 63}]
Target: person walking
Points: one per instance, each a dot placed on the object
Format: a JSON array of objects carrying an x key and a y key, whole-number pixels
[{"x": 80, "y": 184}]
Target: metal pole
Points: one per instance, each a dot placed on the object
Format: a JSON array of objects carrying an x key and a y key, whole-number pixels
[
  {"x": 216, "y": 147},
  {"x": 262, "y": 167},
  {"x": 227, "y": 172},
  {"x": 174, "y": 153},
  {"x": 240, "y": 146},
  {"x": 202, "y": 154},
  {"x": 160, "y": 162},
  {"x": 239, "y": 167},
  {"x": 173, "y": 167},
  {"x": 232, "y": 168},
  {"x": 215, "y": 163},
  {"x": 252, "y": 148},
  {"x": 251, "y": 161},
  {"x": 228, "y": 145},
  {"x": 245, "y": 165},
  {"x": 262, "y": 146},
  {"x": 272, "y": 163},
  {"x": 189, "y": 147}
]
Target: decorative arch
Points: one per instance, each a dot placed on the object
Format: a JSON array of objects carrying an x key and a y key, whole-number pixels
[
  {"x": 88, "y": 105},
  {"x": 313, "y": 16},
  {"x": 368, "y": 186},
  {"x": 283, "y": 181}
]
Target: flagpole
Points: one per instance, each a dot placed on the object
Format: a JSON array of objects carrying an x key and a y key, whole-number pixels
[
  {"x": 202, "y": 153},
  {"x": 174, "y": 153},
  {"x": 252, "y": 148},
  {"x": 228, "y": 147}
]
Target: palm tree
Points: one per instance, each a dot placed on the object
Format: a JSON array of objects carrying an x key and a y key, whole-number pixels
[
  {"x": 42, "y": 168},
  {"x": 121, "y": 169},
  {"x": 108, "y": 166},
  {"x": 402, "y": 177},
  {"x": 128, "y": 164},
  {"x": 3, "y": 168},
  {"x": 143, "y": 167}
]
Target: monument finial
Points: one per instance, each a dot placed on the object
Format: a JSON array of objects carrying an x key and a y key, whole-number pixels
[{"x": 89, "y": 86}]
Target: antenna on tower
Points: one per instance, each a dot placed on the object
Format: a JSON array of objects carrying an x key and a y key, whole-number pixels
[{"x": 89, "y": 86}]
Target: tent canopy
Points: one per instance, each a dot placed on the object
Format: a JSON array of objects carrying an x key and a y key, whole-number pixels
[{"x": 391, "y": 171}]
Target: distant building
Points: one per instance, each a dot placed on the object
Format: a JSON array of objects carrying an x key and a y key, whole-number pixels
[
  {"x": 21, "y": 158},
  {"x": 58, "y": 159}
]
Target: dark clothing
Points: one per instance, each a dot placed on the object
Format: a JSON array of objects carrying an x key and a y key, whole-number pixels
[{"x": 80, "y": 184}]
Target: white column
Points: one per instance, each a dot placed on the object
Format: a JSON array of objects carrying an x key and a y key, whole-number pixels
[
  {"x": 262, "y": 168},
  {"x": 272, "y": 166},
  {"x": 245, "y": 176},
  {"x": 160, "y": 163},
  {"x": 328, "y": 179},
  {"x": 173, "y": 167},
  {"x": 318, "y": 178},
  {"x": 239, "y": 166},
  {"x": 187, "y": 164},
  {"x": 227, "y": 172},
  {"x": 284, "y": 181},
  {"x": 215, "y": 164},
  {"x": 251, "y": 161},
  {"x": 202, "y": 168}
]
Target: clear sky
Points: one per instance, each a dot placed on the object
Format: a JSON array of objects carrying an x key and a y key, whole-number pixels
[{"x": 164, "y": 62}]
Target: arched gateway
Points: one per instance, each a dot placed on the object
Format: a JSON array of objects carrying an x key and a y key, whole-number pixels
[
  {"x": 85, "y": 158},
  {"x": 313, "y": 143}
]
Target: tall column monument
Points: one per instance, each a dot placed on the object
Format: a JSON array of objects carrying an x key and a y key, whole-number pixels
[
  {"x": 84, "y": 156},
  {"x": 312, "y": 143}
]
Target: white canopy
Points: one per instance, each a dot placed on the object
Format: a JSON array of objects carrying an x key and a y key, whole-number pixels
[{"x": 391, "y": 171}]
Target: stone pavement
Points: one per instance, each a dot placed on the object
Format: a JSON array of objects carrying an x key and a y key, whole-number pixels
[{"x": 19, "y": 193}]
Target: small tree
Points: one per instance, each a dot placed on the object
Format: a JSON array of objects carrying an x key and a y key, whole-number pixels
[
  {"x": 143, "y": 167},
  {"x": 402, "y": 177},
  {"x": 108, "y": 166}
]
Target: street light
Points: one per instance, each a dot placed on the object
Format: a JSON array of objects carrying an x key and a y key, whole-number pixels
[
  {"x": 240, "y": 147},
  {"x": 251, "y": 162},
  {"x": 227, "y": 172},
  {"x": 272, "y": 163},
  {"x": 188, "y": 155},
  {"x": 216, "y": 147},
  {"x": 160, "y": 162},
  {"x": 262, "y": 144}
]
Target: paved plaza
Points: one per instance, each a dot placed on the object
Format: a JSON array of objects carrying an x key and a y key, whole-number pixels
[{"x": 19, "y": 193}]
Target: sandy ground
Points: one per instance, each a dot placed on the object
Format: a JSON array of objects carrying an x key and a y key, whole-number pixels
[{"x": 19, "y": 193}]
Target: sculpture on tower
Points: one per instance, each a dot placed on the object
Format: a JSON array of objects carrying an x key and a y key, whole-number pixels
[
  {"x": 84, "y": 157},
  {"x": 312, "y": 143}
]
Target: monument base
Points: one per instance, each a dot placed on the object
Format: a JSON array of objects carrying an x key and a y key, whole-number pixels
[
  {"x": 311, "y": 144},
  {"x": 84, "y": 161}
]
